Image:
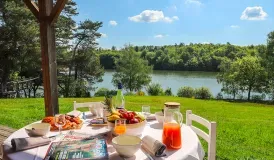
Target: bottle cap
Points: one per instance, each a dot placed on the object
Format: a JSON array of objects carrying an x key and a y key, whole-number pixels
[{"x": 120, "y": 85}]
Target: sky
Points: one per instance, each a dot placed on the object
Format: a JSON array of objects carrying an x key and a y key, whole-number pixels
[{"x": 166, "y": 22}]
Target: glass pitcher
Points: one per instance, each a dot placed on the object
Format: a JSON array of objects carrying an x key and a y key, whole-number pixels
[{"x": 173, "y": 121}]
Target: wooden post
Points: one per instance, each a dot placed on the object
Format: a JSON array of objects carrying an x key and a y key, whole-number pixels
[
  {"x": 47, "y": 14},
  {"x": 49, "y": 65}
]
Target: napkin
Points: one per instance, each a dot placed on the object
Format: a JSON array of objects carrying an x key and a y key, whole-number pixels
[
  {"x": 154, "y": 146},
  {"x": 19, "y": 144},
  {"x": 74, "y": 113}
]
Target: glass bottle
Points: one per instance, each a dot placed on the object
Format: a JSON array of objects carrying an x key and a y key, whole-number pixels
[{"x": 119, "y": 99}]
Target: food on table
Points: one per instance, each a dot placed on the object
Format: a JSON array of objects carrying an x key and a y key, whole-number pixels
[
  {"x": 108, "y": 103},
  {"x": 130, "y": 116},
  {"x": 71, "y": 122}
]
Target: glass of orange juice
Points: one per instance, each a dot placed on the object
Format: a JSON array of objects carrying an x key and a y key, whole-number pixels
[{"x": 120, "y": 126}]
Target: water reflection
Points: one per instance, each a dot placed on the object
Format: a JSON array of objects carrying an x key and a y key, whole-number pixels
[{"x": 174, "y": 80}]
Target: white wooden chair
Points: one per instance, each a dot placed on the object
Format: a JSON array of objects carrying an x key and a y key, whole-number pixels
[
  {"x": 210, "y": 138},
  {"x": 91, "y": 105}
]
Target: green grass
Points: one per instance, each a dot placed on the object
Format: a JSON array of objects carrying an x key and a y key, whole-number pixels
[{"x": 244, "y": 130}]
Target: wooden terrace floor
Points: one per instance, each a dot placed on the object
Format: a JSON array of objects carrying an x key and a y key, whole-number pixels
[{"x": 5, "y": 132}]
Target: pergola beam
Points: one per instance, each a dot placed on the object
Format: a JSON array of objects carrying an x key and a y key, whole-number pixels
[
  {"x": 47, "y": 15},
  {"x": 33, "y": 8},
  {"x": 56, "y": 11}
]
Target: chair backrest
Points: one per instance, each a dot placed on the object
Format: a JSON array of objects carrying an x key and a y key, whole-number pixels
[
  {"x": 86, "y": 104},
  {"x": 210, "y": 138}
]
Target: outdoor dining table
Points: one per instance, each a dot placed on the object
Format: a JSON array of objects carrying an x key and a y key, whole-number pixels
[{"x": 191, "y": 147}]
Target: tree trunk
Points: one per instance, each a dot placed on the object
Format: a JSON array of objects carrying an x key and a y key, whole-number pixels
[
  {"x": 249, "y": 91},
  {"x": 4, "y": 79},
  {"x": 29, "y": 90},
  {"x": 70, "y": 68},
  {"x": 75, "y": 72},
  {"x": 25, "y": 93},
  {"x": 34, "y": 93}
]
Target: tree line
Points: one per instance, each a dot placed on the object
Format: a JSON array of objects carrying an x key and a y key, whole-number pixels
[{"x": 191, "y": 57}]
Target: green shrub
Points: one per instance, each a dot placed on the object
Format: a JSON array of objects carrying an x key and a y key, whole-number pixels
[
  {"x": 101, "y": 92},
  {"x": 219, "y": 96},
  {"x": 168, "y": 92},
  {"x": 186, "y": 92},
  {"x": 203, "y": 93},
  {"x": 112, "y": 92},
  {"x": 141, "y": 93},
  {"x": 155, "y": 89},
  {"x": 256, "y": 98},
  {"x": 129, "y": 94}
]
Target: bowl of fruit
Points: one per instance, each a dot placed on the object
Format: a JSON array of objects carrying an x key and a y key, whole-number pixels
[{"x": 135, "y": 122}]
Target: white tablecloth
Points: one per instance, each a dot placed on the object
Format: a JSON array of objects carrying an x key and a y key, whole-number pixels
[{"x": 191, "y": 146}]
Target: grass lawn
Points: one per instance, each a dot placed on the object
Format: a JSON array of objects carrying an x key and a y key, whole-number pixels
[{"x": 244, "y": 130}]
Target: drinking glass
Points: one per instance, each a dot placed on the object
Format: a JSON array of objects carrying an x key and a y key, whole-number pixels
[
  {"x": 60, "y": 121},
  {"x": 146, "y": 111},
  {"x": 120, "y": 126}
]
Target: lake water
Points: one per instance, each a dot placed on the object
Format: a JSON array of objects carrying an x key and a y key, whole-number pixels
[{"x": 174, "y": 80}]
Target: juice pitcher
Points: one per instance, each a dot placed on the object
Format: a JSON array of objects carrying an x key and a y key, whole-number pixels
[{"x": 173, "y": 121}]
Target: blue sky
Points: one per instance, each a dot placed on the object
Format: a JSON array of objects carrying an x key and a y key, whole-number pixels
[{"x": 161, "y": 22}]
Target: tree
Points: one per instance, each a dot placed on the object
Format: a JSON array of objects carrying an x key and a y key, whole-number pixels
[
  {"x": 113, "y": 48},
  {"x": 227, "y": 77},
  {"x": 270, "y": 44},
  {"x": 250, "y": 75},
  {"x": 19, "y": 41},
  {"x": 131, "y": 70},
  {"x": 83, "y": 60},
  {"x": 246, "y": 74}
]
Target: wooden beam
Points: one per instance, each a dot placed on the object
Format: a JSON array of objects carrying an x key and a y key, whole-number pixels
[
  {"x": 56, "y": 11},
  {"x": 33, "y": 8},
  {"x": 49, "y": 65}
]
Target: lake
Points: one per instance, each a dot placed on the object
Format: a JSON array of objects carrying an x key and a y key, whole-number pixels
[{"x": 174, "y": 80}]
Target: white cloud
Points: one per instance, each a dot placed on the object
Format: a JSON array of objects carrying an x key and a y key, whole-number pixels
[
  {"x": 235, "y": 26},
  {"x": 113, "y": 23},
  {"x": 103, "y": 35},
  {"x": 254, "y": 13},
  {"x": 175, "y": 18},
  {"x": 151, "y": 16},
  {"x": 196, "y": 2},
  {"x": 159, "y": 36}
]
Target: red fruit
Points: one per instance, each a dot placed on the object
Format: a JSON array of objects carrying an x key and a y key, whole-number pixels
[
  {"x": 134, "y": 120},
  {"x": 121, "y": 111},
  {"x": 130, "y": 115},
  {"x": 124, "y": 115}
]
